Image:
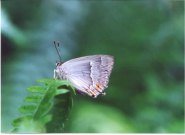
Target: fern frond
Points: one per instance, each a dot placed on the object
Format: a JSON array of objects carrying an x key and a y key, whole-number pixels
[{"x": 44, "y": 107}]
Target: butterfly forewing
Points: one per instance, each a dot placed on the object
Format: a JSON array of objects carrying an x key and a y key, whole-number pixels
[{"x": 89, "y": 74}]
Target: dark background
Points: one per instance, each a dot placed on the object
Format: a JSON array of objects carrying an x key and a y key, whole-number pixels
[{"x": 146, "y": 89}]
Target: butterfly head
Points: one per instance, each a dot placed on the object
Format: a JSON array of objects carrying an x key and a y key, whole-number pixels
[{"x": 58, "y": 63}]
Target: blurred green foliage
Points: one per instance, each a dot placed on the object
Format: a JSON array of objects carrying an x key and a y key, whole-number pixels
[{"x": 146, "y": 38}]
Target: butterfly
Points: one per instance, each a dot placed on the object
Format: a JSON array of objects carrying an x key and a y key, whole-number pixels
[{"x": 88, "y": 74}]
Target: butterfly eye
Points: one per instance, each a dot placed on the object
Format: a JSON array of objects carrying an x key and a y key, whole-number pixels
[{"x": 58, "y": 63}]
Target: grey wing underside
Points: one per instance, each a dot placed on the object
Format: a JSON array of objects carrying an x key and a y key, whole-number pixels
[{"x": 89, "y": 74}]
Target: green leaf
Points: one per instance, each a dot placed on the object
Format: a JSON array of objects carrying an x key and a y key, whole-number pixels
[
  {"x": 38, "y": 89},
  {"x": 27, "y": 109},
  {"x": 46, "y": 119},
  {"x": 50, "y": 104},
  {"x": 46, "y": 101},
  {"x": 46, "y": 81},
  {"x": 60, "y": 108},
  {"x": 61, "y": 91},
  {"x": 17, "y": 121},
  {"x": 33, "y": 98}
]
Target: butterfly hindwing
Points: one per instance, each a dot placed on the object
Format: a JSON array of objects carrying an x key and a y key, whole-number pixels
[{"x": 89, "y": 74}]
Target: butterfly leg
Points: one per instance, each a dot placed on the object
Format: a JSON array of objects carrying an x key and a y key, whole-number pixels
[{"x": 54, "y": 76}]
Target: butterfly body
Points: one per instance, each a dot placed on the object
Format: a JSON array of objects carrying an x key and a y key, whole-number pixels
[{"x": 88, "y": 74}]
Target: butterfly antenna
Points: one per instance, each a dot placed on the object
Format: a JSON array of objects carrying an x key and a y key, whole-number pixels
[{"x": 57, "y": 49}]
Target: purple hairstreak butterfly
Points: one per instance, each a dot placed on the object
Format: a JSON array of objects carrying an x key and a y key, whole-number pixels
[{"x": 88, "y": 74}]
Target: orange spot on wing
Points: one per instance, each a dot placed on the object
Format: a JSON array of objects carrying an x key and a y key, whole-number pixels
[
  {"x": 91, "y": 93},
  {"x": 99, "y": 87}
]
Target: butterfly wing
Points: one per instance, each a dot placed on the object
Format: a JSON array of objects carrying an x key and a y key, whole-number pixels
[{"x": 89, "y": 74}]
